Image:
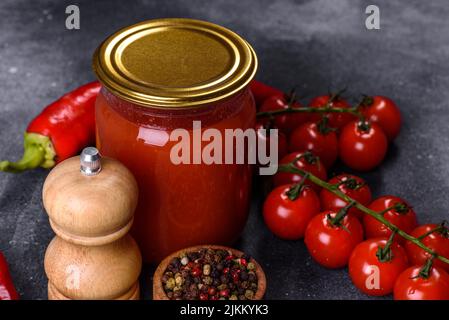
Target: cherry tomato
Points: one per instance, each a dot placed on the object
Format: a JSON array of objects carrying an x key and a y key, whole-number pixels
[
  {"x": 317, "y": 138},
  {"x": 261, "y": 91},
  {"x": 287, "y": 218},
  {"x": 336, "y": 120},
  {"x": 411, "y": 286},
  {"x": 384, "y": 112},
  {"x": 306, "y": 161},
  {"x": 438, "y": 241},
  {"x": 263, "y": 134},
  {"x": 353, "y": 186},
  {"x": 372, "y": 276},
  {"x": 362, "y": 145},
  {"x": 285, "y": 122},
  {"x": 401, "y": 215},
  {"x": 331, "y": 244}
]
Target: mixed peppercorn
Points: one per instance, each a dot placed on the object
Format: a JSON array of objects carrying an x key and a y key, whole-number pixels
[{"x": 210, "y": 274}]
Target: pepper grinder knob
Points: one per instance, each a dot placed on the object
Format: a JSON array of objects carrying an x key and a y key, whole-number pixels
[{"x": 90, "y": 161}]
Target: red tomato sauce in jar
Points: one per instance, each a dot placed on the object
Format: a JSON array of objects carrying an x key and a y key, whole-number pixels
[{"x": 180, "y": 205}]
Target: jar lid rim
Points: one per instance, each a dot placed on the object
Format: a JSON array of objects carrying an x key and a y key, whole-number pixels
[{"x": 174, "y": 63}]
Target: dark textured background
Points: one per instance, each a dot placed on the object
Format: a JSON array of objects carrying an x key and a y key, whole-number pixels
[{"x": 316, "y": 45}]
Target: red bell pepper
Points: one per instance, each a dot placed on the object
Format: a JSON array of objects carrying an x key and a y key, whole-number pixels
[
  {"x": 7, "y": 289},
  {"x": 67, "y": 126},
  {"x": 60, "y": 131}
]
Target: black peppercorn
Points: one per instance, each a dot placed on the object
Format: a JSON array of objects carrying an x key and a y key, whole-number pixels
[
  {"x": 205, "y": 288},
  {"x": 224, "y": 279},
  {"x": 164, "y": 278},
  {"x": 215, "y": 274},
  {"x": 210, "y": 274},
  {"x": 176, "y": 262},
  {"x": 192, "y": 256}
]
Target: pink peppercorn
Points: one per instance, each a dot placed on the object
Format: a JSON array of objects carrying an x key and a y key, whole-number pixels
[
  {"x": 196, "y": 272},
  {"x": 224, "y": 292},
  {"x": 212, "y": 291}
]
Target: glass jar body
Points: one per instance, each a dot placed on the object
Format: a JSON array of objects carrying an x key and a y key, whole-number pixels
[{"x": 180, "y": 205}]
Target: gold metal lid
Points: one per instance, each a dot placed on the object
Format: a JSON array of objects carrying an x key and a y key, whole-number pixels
[{"x": 174, "y": 63}]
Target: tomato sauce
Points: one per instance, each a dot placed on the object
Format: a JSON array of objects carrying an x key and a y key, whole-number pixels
[{"x": 179, "y": 205}]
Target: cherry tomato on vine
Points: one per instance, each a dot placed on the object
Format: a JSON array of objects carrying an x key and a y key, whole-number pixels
[
  {"x": 263, "y": 134},
  {"x": 318, "y": 138},
  {"x": 395, "y": 210},
  {"x": 384, "y": 112},
  {"x": 336, "y": 120},
  {"x": 306, "y": 161},
  {"x": 330, "y": 242},
  {"x": 362, "y": 145},
  {"x": 353, "y": 186},
  {"x": 437, "y": 241},
  {"x": 262, "y": 91},
  {"x": 410, "y": 285},
  {"x": 285, "y": 122},
  {"x": 373, "y": 272},
  {"x": 288, "y": 218}
]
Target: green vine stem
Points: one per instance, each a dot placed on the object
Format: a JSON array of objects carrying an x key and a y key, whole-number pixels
[
  {"x": 290, "y": 168},
  {"x": 354, "y": 111},
  {"x": 341, "y": 214},
  {"x": 324, "y": 109},
  {"x": 291, "y": 99}
]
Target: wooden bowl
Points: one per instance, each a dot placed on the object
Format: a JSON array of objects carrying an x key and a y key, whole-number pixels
[{"x": 158, "y": 290}]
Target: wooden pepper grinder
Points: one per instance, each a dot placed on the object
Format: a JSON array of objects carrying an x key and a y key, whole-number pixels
[{"x": 91, "y": 211}]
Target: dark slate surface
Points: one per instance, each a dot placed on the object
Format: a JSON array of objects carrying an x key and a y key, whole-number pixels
[{"x": 314, "y": 44}]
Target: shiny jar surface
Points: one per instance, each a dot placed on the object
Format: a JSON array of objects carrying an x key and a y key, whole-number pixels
[{"x": 185, "y": 204}]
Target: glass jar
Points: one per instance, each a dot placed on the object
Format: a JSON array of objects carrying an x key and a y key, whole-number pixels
[{"x": 160, "y": 76}]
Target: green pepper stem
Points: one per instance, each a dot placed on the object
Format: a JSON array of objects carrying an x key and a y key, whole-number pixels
[
  {"x": 290, "y": 167},
  {"x": 38, "y": 152}
]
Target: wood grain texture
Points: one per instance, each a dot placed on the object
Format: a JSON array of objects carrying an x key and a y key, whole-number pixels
[
  {"x": 90, "y": 210},
  {"x": 132, "y": 294},
  {"x": 93, "y": 272}
]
